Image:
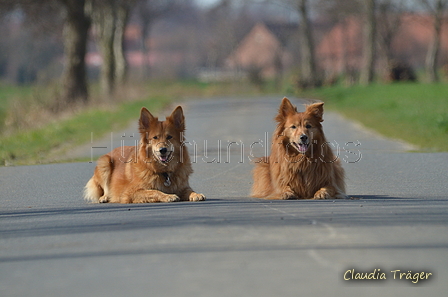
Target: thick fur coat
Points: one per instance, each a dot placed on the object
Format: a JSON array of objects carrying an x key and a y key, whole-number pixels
[
  {"x": 157, "y": 170},
  {"x": 301, "y": 164}
]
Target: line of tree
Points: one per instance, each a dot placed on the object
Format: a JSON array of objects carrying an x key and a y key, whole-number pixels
[
  {"x": 438, "y": 9},
  {"x": 382, "y": 19},
  {"x": 108, "y": 19}
]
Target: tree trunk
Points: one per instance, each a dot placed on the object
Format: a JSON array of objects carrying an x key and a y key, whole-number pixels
[
  {"x": 387, "y": 30},
  {"x": 75, "y": 34},
  {"x": 433, "y": 50},
  {"x": 121, "y": 66},
  {"x": 104, "y": 18},
  {"x": 145, "y": 48},
  {"x": 346, "y": 67},
  {"x": 308, "y": 77},
  {"x": 278, "y": 66},
  {"x": 368, "y": 61}
]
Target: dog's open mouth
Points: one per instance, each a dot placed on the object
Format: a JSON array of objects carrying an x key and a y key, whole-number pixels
[
  {"x": 301, "y": 147},
  {"x": 165, "y": 158}
]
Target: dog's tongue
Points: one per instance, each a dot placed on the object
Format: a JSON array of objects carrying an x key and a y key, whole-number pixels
[
  {"x": 163, "y": 158},
  {"x": 303, "y": 148}
]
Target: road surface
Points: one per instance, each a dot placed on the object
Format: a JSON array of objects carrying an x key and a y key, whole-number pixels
[{"x": 52, "y": 243}]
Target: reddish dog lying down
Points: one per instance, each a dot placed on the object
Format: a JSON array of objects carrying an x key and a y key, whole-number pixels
[
  {"x": 301, "y": 165},
  {"x": 155, "y": 171}
]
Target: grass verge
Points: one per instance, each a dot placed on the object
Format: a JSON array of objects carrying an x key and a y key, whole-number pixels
[
  {"x": 37, "y": 141},
  {"x": 38, "y": 145},
  {"x": 415, "y": 113}
]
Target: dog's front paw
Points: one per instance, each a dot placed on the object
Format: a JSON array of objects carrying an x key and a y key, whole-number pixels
[
  {"x": 322, "y": 194},
  {"x": 170, "y": 198},
  {"x": 288, "y": 196},
  {"x": 103, "y": 199},
  {"x": 196, "y": 197}
]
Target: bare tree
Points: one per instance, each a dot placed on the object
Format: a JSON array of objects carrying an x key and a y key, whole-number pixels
[
  {"x": 369, "y": 48},
  {"x": 390, "y": 14},
  {"x": 76, "y": 28},
  {"x": 110, "y": 18},
  {"x": 338, "y": 10},
  {"x": 222, "y": 32},
  {"x": 342, "y": 12},
  {"x": 26, "y": 53},
  {"x": 75, "y": 32},
  {"x": 123, "y": 9},
  {"x": 308, "y": 73},
  {"x": 437, "y": 9},
  {"x": 104, "y": 18},
  {"x": 148, "y": 12}
]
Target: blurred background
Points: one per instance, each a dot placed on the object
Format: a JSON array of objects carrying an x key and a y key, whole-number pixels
[{"x": 63, "y": 54}]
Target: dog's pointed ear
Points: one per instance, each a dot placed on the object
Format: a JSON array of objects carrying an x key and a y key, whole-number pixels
[
  {"x": 145, "y": 120},
  {"x": 286, "y": 108},
  {"x": 177, "y": 118},
  {"x": 317, "y": 110}
]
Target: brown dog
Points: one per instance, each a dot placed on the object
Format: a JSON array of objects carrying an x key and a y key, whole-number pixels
[
  {"x": 301, "y": 164},
  {"x": 155, "y": 171}
]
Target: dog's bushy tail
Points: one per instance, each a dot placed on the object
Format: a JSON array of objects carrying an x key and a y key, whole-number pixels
[
  {"x": 93, "y": 191},
  {"x": 262, "y": 186},
  {"x": 97, "y": 186}
]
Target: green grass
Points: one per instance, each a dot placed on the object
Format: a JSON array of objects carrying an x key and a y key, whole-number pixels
[
  {"x": 8, "y": 93},
  {"x": 415, "y": 113},
  {"x": 37, "y": 145}
]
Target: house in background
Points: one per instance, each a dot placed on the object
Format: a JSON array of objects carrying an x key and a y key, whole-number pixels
[
  {"x": 263, "y": 51},
  {"x": 340, "y": 50},
  {"x": 165, "y": 57},
  {"x": 415, "y": 35},
  {"x": 268, "y": 50}
]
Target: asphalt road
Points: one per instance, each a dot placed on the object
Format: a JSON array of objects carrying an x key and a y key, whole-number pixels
[{"x": 52, "y": 243}]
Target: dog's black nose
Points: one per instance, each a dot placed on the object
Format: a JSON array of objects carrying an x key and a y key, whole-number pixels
[
  {"x": 163, "y": 150},
  {"x": 303, "y": 138}
]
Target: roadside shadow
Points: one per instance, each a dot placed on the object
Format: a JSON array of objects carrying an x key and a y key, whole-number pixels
[
  {"x": 360, "y": 210},
  {"x": 391, "y": 198}
]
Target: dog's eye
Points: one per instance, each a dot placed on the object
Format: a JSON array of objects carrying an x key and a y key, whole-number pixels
[
  {"x": 169, "y": 137},
  {"x": 155, "y": 137},
  {"x": 308, "y": 126},
  {"x": 293, "y": 127}
]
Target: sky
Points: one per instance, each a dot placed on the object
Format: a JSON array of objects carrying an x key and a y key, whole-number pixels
[{"x": 206, "y": 2}]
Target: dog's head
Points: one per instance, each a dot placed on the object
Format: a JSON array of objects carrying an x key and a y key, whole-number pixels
[
  {"x": 161, "y": 139},
  {"x": 300, "y": 129}
]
